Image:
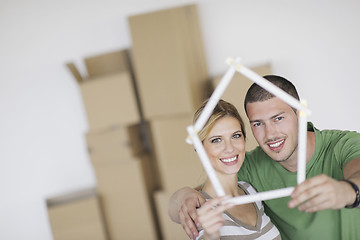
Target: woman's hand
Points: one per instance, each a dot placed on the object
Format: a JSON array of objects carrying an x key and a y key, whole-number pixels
[{"x": 210, "y": 217}]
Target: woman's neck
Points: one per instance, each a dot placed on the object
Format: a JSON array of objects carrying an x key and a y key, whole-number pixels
[{"x": 229, "y": 184}]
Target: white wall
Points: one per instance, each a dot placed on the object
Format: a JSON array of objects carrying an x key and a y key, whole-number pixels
[{"x": 42, "y": 123}]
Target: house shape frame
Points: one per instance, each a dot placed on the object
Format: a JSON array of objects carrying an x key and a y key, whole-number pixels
[{"x": 194, "y": 139}]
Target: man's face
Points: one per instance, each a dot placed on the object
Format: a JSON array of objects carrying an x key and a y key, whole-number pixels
[{"x": 275, "y": 128}]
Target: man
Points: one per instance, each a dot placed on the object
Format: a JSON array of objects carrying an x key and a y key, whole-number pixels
[{"x": 316, "y": 208}]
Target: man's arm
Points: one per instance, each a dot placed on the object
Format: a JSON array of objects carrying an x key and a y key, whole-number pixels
[
  {"x": 323, "y": 192},
  {"x": 182, "y": 209}
]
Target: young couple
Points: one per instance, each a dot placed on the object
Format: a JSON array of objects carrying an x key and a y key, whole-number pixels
[{"x": 317, "y": 209}]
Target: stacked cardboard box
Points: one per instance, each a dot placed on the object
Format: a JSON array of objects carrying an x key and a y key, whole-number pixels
[
  {"x": 169, "y": 229},
  {"x": 138, "y": 128},
  {"x": 172, "y": 79},
  {"x": 126, "y": 176},
  {"x": 178, "y": 163},
  {"x": 169, "y": 61},
  {"x": 235, "y": 93},
  {"x": 108, "y": 94},
  {"x": 124, "y": 188},
  {"x": 76, "y": 215}
]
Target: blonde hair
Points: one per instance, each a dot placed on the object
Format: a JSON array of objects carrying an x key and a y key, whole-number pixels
[{"x": 221, "y": 110}]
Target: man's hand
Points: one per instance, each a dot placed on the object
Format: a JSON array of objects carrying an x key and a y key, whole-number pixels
[
  {"x": 321, "y": 192},
  {"x": 182, "y": 209}
]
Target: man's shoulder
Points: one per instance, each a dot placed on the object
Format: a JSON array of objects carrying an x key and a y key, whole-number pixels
[
  {"x": 255, "y": 156},
  {"x": 331, "y": 135},
  {"x": 327, "y": 137},
  {"x": 330, "y": 132},
  {"x": 254, "y": 153}
]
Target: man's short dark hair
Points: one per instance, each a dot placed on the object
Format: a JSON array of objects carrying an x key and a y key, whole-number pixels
[{"x": 259, "y": 94}]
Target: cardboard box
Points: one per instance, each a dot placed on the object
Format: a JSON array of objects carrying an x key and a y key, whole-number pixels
[
  {"x": 235, "y": 94},
  {"x": 125, "y": 192},
  {"x": 116, "y": 145},
  {"x": 110, "y": 101},
  {"x": 178, "y": 162},
  {"x": 169, "y": 229},
  {"x": 169, "y": 61},
  {"x": 108, "y": 90},
  {"x": 108, "y": 63},
  {"x": 76, "y": 216},
  {"x": 109, "y": 175}
]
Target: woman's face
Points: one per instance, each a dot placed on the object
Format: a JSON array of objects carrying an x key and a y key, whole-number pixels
[{"x": 225, "y": 145}]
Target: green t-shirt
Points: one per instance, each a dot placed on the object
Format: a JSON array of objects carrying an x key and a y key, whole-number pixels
[{"x": 334, "y": 148}]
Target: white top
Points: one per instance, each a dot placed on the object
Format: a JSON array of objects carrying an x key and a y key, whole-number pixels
[{"x": 235, "y": 229}]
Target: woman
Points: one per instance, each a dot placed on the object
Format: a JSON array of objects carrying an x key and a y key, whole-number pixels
[{"x": 223, "y": 137}]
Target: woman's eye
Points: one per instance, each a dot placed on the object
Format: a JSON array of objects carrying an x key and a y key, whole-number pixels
[
  {"x": 215, "y": 140},
  {"x": 238, "y": 135}
]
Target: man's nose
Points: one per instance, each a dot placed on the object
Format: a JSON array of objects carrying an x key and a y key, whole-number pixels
[{"x": 270, "y": 131}]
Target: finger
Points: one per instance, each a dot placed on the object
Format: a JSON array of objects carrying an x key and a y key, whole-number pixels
[
  {"x": 191, "y": 228},
  {"x": 186, "y": 224},
  {"x": 307, "y": 190},
  {"x": 217, "y": 201},
  {"x": 219, "y": 204},
  {"x": 308, "y": 184},
  {"x": 201, "y": 200},
  {"x": 214, "y": 229},
  {"x": 325, "y": 196},
  {"x": 212, "y": 203},
  {"x": 304, "y": 197},
  {"x": 189, "y": 217},
  {"x": 319, "y": 202},
  {"x": 210, "y": 214},
  {"x": 193, "y": 214},
  {"x": 316, "y": 204},
  {"x": 228, "y": 205},
  {"x": 209, "y": 222},
  {"x": 213, "y": 211}
]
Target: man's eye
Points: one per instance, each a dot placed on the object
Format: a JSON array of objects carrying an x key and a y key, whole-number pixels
[
  {"x": 279, "y": 118},
  {"x": 215, "y": 140},
  {"x": 257, "y": 124}
]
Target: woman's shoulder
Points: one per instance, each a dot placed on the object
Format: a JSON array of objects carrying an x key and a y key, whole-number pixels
[{"x": 247, "y": 187}]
